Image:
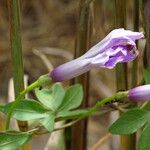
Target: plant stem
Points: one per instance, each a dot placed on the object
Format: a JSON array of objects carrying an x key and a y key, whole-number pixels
[
  {"x": 16, "y": 54},
  {"x": 116, "y": 97},
  {"x": 16, "y": 51},
  {"x": 146, "y": 59},
  {"x": 87, "y": 3},
  {"x": 16, "y": 48},
  {"x": 144, "y": 105},
  {"x": 42, "y": 81},
  {"x": 80, "y": 129},
  {"x": 134, "y": 81},
  {"x": 136, "y": 28},
  {"x": 101, "y": 141},
  {"x": 122, "y": 69}
]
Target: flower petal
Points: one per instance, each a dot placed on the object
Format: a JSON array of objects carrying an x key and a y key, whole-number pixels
[
  {"x": 99, "y": 60},
  {"x": 70, "y": 70},
  {"x": 114, "y": 38},
  {"x": 141, "y": 93},
  {"x": 118, "y": 46},
  {"x": 114, "y": 60}
]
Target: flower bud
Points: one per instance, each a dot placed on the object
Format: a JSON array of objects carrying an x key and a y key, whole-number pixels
[
  {"x": 117, "y": 47},
  {"x": 141, "y": 93}
]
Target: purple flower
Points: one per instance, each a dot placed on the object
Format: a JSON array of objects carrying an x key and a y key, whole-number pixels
[
  {"x": 118, "y": 46},
  {"x": 141, "y": 93}
]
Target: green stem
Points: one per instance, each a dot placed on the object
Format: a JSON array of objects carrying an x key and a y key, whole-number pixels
[
  {"x": 144, "y": 105},
  {"x": 16, "y": 51},
  {"x": 16, "y": 46},
  {"x": 117, "y": 97},
  {"x": 42, "y": 81}
]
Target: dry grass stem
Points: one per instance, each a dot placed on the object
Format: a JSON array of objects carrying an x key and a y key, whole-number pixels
[
  {"x": 45, "y": 60},
  {"x": 101, "y": 141}
]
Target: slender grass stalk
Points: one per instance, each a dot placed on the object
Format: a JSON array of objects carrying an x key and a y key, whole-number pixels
[
  {"x": 127, "y": 142},
  {"x": 121, "y": 69},
  {"x": 80, "y": 129},
  {"x": 136, "y": 28},
  {"x": 16, "y": 53},
  {"x": 146, "y": 60},
  {"x": 134, "y": 78},
  {"x": 146, "y": 25},
  {"x": 144, "y": 9}
]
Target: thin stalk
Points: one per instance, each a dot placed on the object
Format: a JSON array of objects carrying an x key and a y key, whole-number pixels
[
  {"x": 122, "y": 69},
  {"x": 135, "y": 62},
  {"x": 146, "y": 59},
  {"x": 101, "y": 141},
  {"x": 80, "y": 129},
  {"x": 116, "y": 97},
  {"x": 42, "y": 81},
  {"x": 16, "y": 54},
  {"x": 136, "y": 28},
  {"x": 19, "y": 97},
  {"x": 16, "y": 51}
]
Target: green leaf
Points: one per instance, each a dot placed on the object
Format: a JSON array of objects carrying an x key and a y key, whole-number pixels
[
  {"x": 10, "y": 141},
  {"x": 130, "y": 121},
  {"x": 73, "y": 98},
  {"x": 146, "y": 73},
  {"x": 72, "y": 114},
  {"x": 26, "y": 110},
  {"x": 144, "y": 139},
  {"x": 51, "y": 98},
  {"x": 48, "y": 122}
]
